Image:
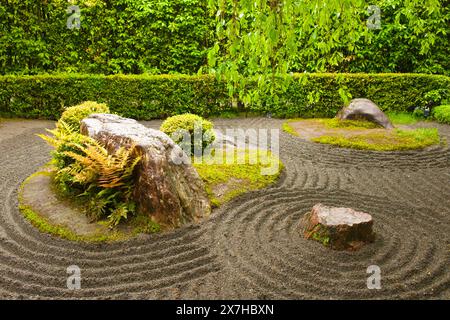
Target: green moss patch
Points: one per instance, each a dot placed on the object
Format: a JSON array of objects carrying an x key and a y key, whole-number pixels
[
  {"x": 363, "y": 135},
  {"x": 385, "y": 141},
  {"x": 289, "y": 129},
  {"x": 402, "y": 118},
  {"x": 44, "y": 226},
  {"x": 320, "y": 234},
  {"x": 227, "y": 181},
  {"x": 329, "y": 123},
  {"x": 347, "y": 124}
]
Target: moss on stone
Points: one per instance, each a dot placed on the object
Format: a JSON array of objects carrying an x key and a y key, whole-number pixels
[
  {"x": 44, "y": 226},
  {"x": 320, "y": 235},
  {"x": 144, "y": 224}
]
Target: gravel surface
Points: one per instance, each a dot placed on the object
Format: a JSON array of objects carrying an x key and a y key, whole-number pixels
[{"x": 251, "y": 247}]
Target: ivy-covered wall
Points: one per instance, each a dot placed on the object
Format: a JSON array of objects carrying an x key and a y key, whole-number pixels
[{"x": 150, "y": 97}]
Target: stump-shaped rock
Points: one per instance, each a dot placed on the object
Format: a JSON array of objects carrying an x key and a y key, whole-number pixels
[
  {"x": 364, "y": 109},
  {"x": 338, "y": 228},
  {"x": 167, "y": 187}
]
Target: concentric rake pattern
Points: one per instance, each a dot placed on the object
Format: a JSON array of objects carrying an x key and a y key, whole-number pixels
[{"x": 251, "y": 247}]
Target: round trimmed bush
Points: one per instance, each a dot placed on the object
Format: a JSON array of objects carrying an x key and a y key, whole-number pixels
[
  {"x": 197, "y": 127},
  {"x": 442, "y": 114},
  {"x": 72, "y": 116}
]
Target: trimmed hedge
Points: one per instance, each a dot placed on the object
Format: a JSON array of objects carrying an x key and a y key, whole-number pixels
[{"x": 147, "y": 97}]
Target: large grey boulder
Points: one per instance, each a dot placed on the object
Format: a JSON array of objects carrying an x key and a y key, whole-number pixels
[
  {"x": 364, "y": 109},
  {"x": 167, "y": 187},
  {"x": 338, "y": 228}
]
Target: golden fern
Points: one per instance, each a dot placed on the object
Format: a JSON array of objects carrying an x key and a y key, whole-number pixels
[
  {"x": 60, "y": 134},
  {"x": 86, "y": 168},
  {"x": 108, "y": 170}
]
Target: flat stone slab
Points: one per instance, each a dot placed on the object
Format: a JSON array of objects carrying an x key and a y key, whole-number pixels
[
  {"x": 332, "y": 216},
  {"x": 37, "y": 194},
  {"x": 339, "y": 228}
]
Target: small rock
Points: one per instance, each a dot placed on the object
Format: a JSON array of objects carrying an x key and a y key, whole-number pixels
[
  {"x": 364, "y": 109},
  {"x": 338, "y": 228}
]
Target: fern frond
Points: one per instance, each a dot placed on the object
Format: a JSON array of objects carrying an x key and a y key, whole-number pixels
[
  {"x": 50, "y": 140},
  {"x": 65, "y": 128},
  {"x": 107, "y": 179}
]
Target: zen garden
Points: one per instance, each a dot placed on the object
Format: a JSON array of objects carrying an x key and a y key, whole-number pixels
[{"x": 224, "y": 149}]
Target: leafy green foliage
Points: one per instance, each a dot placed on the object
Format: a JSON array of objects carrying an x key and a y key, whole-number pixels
[
  {"x": 442, "y": 114},
  {"x": 199, "y": 130},
  {"x": 413, "y": 38},
  {"x": 65, "y": 139},
  {"x": 148, "y": 97},
  {"x": 106, "y": 180},
  {"x": 174, "y": 36},
  {"x": 121, "y": 36},
  {"x": 260, "y": 41},
  {"x": 72, "y": 116}
]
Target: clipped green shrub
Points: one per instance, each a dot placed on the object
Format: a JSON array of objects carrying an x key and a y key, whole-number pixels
[
  {"x": 146, "y": 97},
  {"x": 72, "y": 116},
  {"x": 442, "y": 114},
  {"x": 200, "y": 131}
]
